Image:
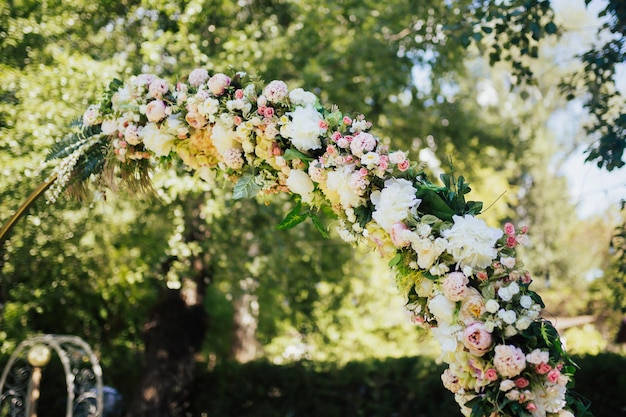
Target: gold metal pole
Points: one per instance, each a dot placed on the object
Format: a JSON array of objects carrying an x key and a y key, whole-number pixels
[{"x": 4, "y": 232}]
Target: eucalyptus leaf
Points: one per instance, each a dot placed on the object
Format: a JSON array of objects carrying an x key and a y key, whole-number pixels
[{"x": 246, "y": 187}]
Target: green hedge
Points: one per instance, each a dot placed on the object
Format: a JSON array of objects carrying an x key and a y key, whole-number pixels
[{"x": 408, "y": 387}]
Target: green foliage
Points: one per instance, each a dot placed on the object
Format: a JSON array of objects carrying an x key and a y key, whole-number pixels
[{"x": 403, "y": 387}]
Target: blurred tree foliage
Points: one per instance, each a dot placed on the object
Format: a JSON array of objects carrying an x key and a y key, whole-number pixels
[{"x": 102, "y": 269}]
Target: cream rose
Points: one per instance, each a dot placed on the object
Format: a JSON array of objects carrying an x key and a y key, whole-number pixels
[{"x": 300, "y": 183}]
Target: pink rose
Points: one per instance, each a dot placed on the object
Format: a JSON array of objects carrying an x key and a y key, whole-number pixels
[
  {"x": 491, "y": 374},
  {"x": 553, "y": 376},
  {"x": 477, "y": 339},
  {"x": 509, "y": 229},
  {"x": 521, "y": 382},
  {"x": 511, "y": 242},
  {"x": 155, "y": 111},
  {"x": 218, "y": 83},
  {"x": 403, "y": 166},
  {"x": 543, "y": 368},
  {"x": 454, "y": 286},
  {"x": 347, "y": 120}
]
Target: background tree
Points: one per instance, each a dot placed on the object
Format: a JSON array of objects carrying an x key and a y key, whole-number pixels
[{"x": 130, "y": 268}]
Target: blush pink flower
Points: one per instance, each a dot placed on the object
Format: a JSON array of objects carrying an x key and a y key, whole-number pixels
[
  {"x": 509, "y": 360},
  {"x": 198, "y": 76},
  {"x": 399, "y": 235},
  {"x": 477, "y": 339},
  {"x": 155, "y": 111},
  {"x": 276, "y": 91},
  {"x": 454, "y": 286},
  {"x": 217, "y": 84},
  {"x": 521, "y": 382}
]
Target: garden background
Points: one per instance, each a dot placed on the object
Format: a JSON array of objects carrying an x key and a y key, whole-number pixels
[{"x": 264, "y": 322}]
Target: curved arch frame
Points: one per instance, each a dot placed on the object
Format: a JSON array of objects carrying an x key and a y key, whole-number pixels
[{"x": 72, "y": 352}]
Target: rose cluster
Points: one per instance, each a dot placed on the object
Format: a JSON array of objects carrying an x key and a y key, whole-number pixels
[{"x": 460, "y": 277}]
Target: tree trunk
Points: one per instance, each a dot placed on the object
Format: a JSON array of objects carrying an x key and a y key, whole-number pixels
[{"x": 173, "y": 336}]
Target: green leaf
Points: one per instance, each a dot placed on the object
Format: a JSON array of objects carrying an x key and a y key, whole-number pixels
[
  {"x": 292, "y": 153},
  {"x": 432, "y": 203},
  {"x": 293, "y": 218},
  {"x": 246, "y": 187},
  {"x": 396, "y": 260},
  {"x": 318, "y": 225}
]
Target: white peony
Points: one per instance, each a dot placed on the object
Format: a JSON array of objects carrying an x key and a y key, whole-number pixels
[
  {"x": 447, "y": 336},
  {"x": 394, "y": 203},
  {"x": 300, "y": 183},
  {"x": 300, "y": 97},
  {"x": 471, "y": 242},
  {"x": 275, "y": 91},
  {"x": 304, "y": 129},
  {"x": 157, "y": 140},
  {"x": 338, "y": 188}
]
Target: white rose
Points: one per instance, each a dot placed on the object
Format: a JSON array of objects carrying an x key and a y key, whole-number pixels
[
  {"x": 300, "y": 183},
  {"x": 492, "y": 306},
  {"x": 304, "y": 129},
  {"x": 508, "y": 261},
  {"x": 471, "y": 242},
  {"x": 507, "y": 385},
  {"x": 523, "y": 323},
  {"x": 394, "y": 203},
  {"x": 505, "y": 294},
  {"x": 526, "y": 301},
  {"x": 442, "y": 308},
  {"x": 156, "y": 140},
  {"x": 507, "y": 316}
]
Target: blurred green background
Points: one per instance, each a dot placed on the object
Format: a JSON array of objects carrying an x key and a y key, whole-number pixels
[{"x": 287, "y": 323}]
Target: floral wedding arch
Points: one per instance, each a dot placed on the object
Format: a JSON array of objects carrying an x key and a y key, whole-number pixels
[{"x": 459, "y": 277}]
